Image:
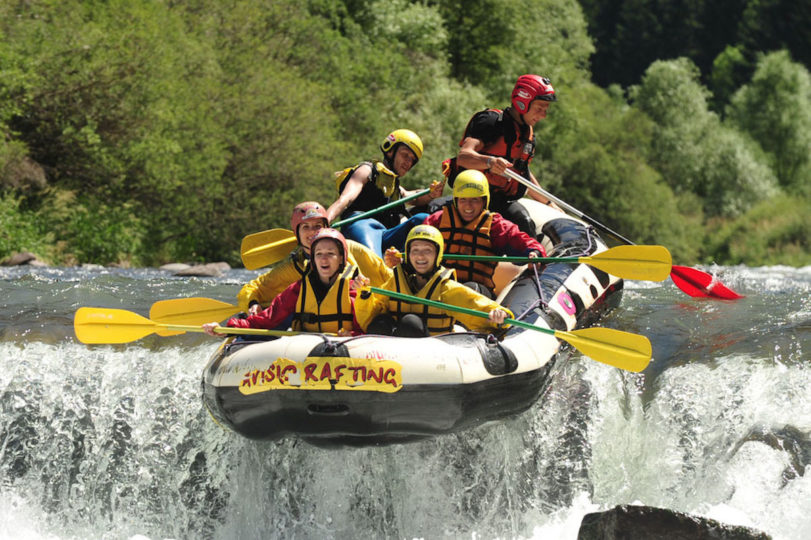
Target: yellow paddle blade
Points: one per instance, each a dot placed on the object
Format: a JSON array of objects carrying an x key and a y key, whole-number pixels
[
  {"x": 189, "y": 311},
  {"x": 267, "y": 247},
  {"x": 101, "y": 325},
  {"x": 644, "y": 263},
  {"x": 631, "y": 352}
]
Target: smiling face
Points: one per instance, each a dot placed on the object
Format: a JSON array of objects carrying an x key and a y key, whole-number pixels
[
  {"x": 307, "y": 231},
  {"x": 537, "y": 111},
  {"x": 404, "y": 159},
  {"x": 422, "y": 255},
  {"x": 327, "y": 259},
  {"x": 470, "y": 207}
]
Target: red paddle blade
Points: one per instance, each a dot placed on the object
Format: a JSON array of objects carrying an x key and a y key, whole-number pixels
[{"x": 700, "y": 284}]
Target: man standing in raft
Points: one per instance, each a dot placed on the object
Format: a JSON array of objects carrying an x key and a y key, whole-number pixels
[
  {"x": 468, "y": 228},
  {"x": 307, "y": 220},
  {"x": 421, "y": 275},
  {"x": 323, "y": 300},
  {"x": 371, "y": 184},
  {"x": 495, "y": 140}
]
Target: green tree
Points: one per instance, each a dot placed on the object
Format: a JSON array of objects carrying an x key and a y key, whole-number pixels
[
  {"x": 492, "y": 42},
  {"x": 595, "y": 157},
  {"x": 775, "y": 109},
  {"x": 776, "y": 231},
  {"x": 691, "y": 147}
]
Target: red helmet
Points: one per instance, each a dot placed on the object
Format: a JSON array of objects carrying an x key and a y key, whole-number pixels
[
  {"x": 528, "y": 88},
  {"x": 332, "y": 234},
  {"x": 306, "y": 211}
]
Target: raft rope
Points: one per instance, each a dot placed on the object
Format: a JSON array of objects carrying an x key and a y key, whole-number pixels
[{"x": 540, "y": 302}]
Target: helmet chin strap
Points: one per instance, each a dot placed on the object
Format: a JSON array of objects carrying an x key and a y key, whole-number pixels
[{"x": 389, "y": 161}]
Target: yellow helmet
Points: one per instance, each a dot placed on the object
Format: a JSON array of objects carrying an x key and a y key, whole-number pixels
[
  {"x": 403, "y": 136},
  {"x": 430, "y": 234},
  {"x": 471, "y": 183}
]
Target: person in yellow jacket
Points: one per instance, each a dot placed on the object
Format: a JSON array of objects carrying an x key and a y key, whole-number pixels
[
  {"x": 307, "y": 220},
  {"x": 421, "y": 274}
]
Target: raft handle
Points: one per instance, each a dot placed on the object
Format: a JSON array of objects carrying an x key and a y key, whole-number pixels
[{"x": 338, "y": 409}]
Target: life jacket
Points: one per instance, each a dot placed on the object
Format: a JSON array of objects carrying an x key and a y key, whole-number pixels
[
  {"x": 381, "y": 189},
  {"x": 471, "y": 238},
  {"x": 300, "y": 260},
  {"x": 436, "y": 320},
  {"x": 332, "y": 313},
  {"x": 510, "y": 143}
]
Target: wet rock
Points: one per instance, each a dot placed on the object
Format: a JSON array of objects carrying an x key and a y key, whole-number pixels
[
  {"x": 174, "y": 267},
  {"x": 789, "y": 439},
  {"x": 205, "y": 270},
  {"x": 17, "y": 259},
  {"x": 627, "y": 522}
]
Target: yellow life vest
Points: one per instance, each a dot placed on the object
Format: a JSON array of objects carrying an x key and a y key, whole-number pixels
[
  {"x": 436, "y": 320},
  {"x": 471, "y": 238},
  {"x": 332, "y": 313},
  {"x": 382, "y": 178}
]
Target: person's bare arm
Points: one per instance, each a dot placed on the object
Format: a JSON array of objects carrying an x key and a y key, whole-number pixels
[
  {"x": 470, "y": 158},
  {"x": 351, "y": 191}
]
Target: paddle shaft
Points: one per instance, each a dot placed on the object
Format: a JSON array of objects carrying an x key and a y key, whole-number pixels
[
  {"x": 379, "y": 209},
  {"x": 569, "y": 208},
  {"x": 497, "y": 258},
  {"x": 687, "y": 279},
  {"x": 650, "y": 263},
  {"x": 229, "y": 330},
  {"x": 458, "y": 309},
  {"x": 623, "y": 350}
]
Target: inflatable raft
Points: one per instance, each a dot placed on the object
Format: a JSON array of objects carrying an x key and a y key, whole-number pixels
[{"x": 369, "y": 390}]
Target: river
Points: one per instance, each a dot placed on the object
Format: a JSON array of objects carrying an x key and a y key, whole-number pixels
[{"x": 112, "y": 441}]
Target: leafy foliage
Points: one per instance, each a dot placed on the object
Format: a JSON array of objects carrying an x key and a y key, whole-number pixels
[
  {"x": 141, "y": 132},
  {"x": 775, "y": 109},
  {"x": 776, "y": 231},
  {"x": 692, "y": 148}
]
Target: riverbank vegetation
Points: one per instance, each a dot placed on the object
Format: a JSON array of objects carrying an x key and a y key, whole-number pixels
[{"x": 141, "y": 132}]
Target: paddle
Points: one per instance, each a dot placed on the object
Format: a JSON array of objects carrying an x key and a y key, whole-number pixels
[
  {"x": 379, "y": 209},
  {"x": 629, "y": 262},
  {"x": 692, "y": 281},
  {"x": 267, "y": 247},
  {"x": 623, "y": 350},
  {"x": 102, "y": 325},
  {"x": 195, "y": 311}
]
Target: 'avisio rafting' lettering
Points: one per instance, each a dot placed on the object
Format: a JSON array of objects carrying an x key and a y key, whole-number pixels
[{"x": 325, "y": 373}]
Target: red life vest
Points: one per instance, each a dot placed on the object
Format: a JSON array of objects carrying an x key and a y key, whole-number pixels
[{"x": 506, "y": 142}]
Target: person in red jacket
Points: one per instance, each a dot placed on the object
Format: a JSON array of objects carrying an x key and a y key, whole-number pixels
[
  {"x": 323, "y": 300},
  {"x": 495, "y": 140},
  {"x": 470, "y": 229}
]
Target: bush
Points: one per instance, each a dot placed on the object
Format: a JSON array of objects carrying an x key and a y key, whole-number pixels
[
  {"x": 776, "y": 231},
  {"x": 21, "y": 230}
]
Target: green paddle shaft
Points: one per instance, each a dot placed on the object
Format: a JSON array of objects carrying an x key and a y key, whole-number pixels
[
  {"x": 379, "y": 209},
  {"x": 459, "y": 309},
  {"x": 460, "y": 257},
  {"x": 622, "y": 350},
  {"x": 629, "y": 262}
]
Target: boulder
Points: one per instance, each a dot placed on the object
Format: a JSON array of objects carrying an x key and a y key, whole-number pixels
[
  {"x": 630, "y": 522},
  {"x": 174, "y": 267},
  {"x": 205, "y": 270},
  {"x": 17, "y": 259}
]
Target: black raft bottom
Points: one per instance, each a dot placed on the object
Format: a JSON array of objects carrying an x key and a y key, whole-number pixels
[{"x": 361, "y": 418}]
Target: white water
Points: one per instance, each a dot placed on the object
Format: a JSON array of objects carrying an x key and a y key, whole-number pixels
[{"x": 113, "y": 441}]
